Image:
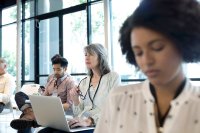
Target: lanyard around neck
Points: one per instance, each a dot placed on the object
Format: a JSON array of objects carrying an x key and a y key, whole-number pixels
[
  {"x": 56, "y": 82},
  {"x": 92, "y": 99}
]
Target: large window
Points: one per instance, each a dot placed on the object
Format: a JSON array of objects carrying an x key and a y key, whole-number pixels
[
  {"x": 29, "y": 9},
  {"x": 29, "y": 50},
  {"x": 9, "y": 15},
  {"x": 192, "y": 70},
  {"x": 66, "y": 27},
  {"x": 118, "y": 16},
  {"x": 120, "y": 65},
  {"x": 97, "y": 23},
  {"x": 9, "y": 47},
  {"x": 9, "y": 40},
  {"x": 74, "y": 39},
  {"x": 48, "y": 45},
  {"x": 46, "y": 6}
]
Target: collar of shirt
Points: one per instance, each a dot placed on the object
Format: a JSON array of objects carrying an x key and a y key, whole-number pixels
[
  {"x": 182, "y": 98},
  {"x": 59, "y": 80}
]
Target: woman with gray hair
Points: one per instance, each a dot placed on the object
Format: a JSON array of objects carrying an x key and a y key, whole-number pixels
[{"x": 89, "y": 96}]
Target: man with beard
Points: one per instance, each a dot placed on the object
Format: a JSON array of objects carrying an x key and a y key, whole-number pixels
[{"x": 58, "y": 84}]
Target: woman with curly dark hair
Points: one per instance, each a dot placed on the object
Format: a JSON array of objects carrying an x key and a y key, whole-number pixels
[{"x": 157, "y": 38}]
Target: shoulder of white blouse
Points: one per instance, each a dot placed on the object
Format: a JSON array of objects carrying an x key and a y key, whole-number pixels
[
  {"x": 131, "y": 87},
  {"x": 194, "y": 90}
]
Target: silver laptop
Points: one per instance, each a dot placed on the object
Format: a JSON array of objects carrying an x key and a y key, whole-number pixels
[{"x": 49, "y": 112}]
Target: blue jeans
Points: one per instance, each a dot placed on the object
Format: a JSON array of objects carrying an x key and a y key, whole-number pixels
[
  {"x": 20, "y": 98},
  {"x": 1, "y": 106},
  {"x": 51, "y": 130},
  {"x": 27, "y": 130}
]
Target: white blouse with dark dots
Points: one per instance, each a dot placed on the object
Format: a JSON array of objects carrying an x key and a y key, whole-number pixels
[{"x": 130, "y": 109}]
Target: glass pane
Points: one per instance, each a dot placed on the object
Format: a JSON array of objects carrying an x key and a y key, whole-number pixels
[
  {"x": 92, "y": 0},
  {"x": 128, "y": 71},
  {"x": 9, "y": 47},
  {"x": 29, "y": 9},
  {"x": 43, "y": 81},
  {"x": 69, "y": 3},
  {"x": 97, "y": 18},
  {"x": 29, "y": 50},
  {"x": 192, "y": 70},
  {"x": 46, "y": 6},
  {"x": 118, "y": 16},
  {"x": 48, "y": 44},
  {"x": 197, "y": 83},
  {"x": 74, "y": 39},
  {"x": 9, "y": 15}
]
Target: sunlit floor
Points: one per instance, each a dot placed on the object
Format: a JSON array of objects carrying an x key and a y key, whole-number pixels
[{"x": 5, "y": 117}]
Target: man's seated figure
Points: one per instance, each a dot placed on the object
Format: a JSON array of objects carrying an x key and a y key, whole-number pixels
[
  {"x": 59, "y": 83},
  {"x": 7, "y": 85}
]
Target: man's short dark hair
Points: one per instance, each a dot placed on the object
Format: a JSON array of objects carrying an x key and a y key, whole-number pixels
[
  {"x": 55, "y": 56},
  {"x": 57, "y": 59},
  {"x": 178, "y": 20}
]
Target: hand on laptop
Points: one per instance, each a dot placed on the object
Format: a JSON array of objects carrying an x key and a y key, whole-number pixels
[{"x": 80, "y": 122}]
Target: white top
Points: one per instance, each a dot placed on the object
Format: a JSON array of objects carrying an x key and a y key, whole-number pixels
[
  {"x": 130, "y": 109},
  {"x": 7, "y": 86},
  {"x": 108, "y": 81}
]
